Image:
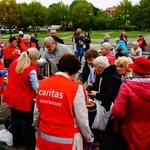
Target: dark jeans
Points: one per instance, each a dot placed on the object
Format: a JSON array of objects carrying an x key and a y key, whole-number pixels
[{"x": 21, "y": 128}]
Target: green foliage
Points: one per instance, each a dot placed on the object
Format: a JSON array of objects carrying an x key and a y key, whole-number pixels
[
  {"x": 102, "y": 20},
  {"x": 37, "y": 14},
  {"x": 82, "y": 15},
  {"x": 58, "y": 14},
  {"x": 9, "y": 13}
]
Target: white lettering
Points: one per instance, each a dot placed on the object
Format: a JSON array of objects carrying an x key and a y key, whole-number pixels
[
  {"x": 50, "y": 102},
  {"x": 51, "y": 93}
]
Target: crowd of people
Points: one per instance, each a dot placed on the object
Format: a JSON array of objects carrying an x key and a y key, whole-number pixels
[{"x": 55, "y": 112}]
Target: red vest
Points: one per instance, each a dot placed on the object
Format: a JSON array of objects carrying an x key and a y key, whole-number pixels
[
  {"x": 19, "y": 93},
  {"x": 55, "y": 103},
  {"x": 24, "y": 46},
  {"x": 1, "y": 79},
  {"x": 8, "y": 52}
]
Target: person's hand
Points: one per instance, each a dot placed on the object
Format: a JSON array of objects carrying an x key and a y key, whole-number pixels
[
  {"x": 14, "y": 53},
  {"x": 112, "y": 104},
  {"x": 88, "y": 86},
  {"x": 80, "y": 81},
  {"x": 90, "y": 144}
]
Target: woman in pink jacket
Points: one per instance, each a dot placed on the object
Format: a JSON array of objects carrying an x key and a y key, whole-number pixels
[{"x": 132, "y": 106}]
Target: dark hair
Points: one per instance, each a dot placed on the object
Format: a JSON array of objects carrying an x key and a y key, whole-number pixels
[
  {"x": 12, "y": 38},
  {"x": 69, "y": 63},
  {"x": 88, "y": 33},
  {"x": 91, "y": 53},
  {"x": 119, "y": 50}
]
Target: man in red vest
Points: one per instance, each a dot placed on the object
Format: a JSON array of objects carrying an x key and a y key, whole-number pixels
[{"x": 61, "y": 115}]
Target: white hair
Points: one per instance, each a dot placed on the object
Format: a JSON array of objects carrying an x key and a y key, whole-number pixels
[
  {"x": 101, "y": 61},
  {"x": 49, "y": 39},
  {"x": 27, "y": 36},
  {"x": 135, "y": 43}
]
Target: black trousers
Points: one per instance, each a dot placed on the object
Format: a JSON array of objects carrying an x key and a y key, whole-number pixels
[{"x": 21, "y": 128}]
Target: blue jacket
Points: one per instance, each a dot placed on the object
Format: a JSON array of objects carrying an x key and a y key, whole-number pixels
[{"x": 121, "y": 44}]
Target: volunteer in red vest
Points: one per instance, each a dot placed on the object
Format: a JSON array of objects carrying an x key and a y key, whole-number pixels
[
  {"x": 11, "y": 51},
  {"x": 61, "y": 114},
  {"x": 27, "y": 43},
  {"x": 19, "y": 95}
]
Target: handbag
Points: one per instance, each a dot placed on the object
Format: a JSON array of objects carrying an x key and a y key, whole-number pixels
[{"x": 110, "y": 140}]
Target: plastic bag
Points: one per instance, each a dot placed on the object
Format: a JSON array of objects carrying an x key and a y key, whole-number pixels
[{"x": 6, "y": 136}]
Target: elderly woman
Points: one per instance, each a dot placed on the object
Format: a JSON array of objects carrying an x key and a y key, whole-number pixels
[
  {"x": 106, "y": 51},
  {"x": 106, "y": 38},
  {"x": 122, "y": 67},
  {"x": 109, "y": 82},
  {"x": 132, "y": 106},
  {"x": 26, "y": 43},
  {"x": 135, "y": 50},
  {"x": 109, "y": 85}
]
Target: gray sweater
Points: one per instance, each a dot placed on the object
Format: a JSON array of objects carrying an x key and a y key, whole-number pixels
[{"x": 54, "y": 56}]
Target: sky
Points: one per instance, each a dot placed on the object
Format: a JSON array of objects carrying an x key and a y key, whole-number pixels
[{"x": 103, "y": 4}]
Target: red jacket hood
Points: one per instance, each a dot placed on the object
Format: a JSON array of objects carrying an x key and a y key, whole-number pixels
[{"x": 141, "y": 87}]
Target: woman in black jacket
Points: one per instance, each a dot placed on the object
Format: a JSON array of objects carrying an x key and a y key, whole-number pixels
[{"x": 87, "y": 40}]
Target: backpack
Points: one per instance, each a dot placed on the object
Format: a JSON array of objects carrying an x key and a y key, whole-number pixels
[{"x": 81, "y": 40}]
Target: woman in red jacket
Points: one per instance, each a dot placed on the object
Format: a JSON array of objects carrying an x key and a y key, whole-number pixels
[
  {"x": 11, "y": 51},
  {"x": 19, "y": 95},
  {"x": 132, "y": 105}
]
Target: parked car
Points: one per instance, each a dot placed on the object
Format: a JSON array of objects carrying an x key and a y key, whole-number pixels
[
  {"x": 57, "y": 27},
  {"x": 6, "y": 30}
]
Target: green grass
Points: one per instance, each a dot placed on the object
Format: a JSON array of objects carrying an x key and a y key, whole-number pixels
[{"x": 67, "y": 35}]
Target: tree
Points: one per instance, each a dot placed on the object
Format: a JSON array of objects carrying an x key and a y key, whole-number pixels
[
  {"x": 125, "y": 8},
  {"x": 36, "y": 14},
  {"x": 82, "y": 15},
  {"x": 102, "y": 20},
  {"x": 145, "y": 14},
  {"x": 9, "y": 13},
  {"x": 24, "y": 16},
  {"x": 58, "y": 14}
]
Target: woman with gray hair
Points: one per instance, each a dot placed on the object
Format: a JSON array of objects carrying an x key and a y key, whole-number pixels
[
  {"x": 19, "y": 95},
  {"x": 135, "y": 50},
  {"x": 109, "y": 82},
  {"x": 106, "y": 51},
  {"x": 109, "y": 85},
  {"x": 26, "y": 44}
]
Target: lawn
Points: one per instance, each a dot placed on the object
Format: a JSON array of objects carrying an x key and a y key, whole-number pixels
[{"x": 67, "y": 35}]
